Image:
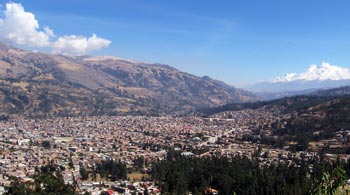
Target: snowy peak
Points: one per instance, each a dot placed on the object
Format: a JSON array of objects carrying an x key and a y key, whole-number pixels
[
  {"x": 318, "y": 73},
  {"x": 314, "y": 78}
]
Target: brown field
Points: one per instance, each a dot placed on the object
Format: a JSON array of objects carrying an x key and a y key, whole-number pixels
[
  {"x": 133, "y": 176},
  {"x": 136, "y": 176}
]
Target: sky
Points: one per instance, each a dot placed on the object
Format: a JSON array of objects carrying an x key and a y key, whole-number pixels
[{"x": 236, "y": 41}]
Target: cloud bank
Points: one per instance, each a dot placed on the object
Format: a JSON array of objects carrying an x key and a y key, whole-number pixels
[
  {"x": 79, "y": 45},
  {"x": 324, "y": 72},
  {"x": 21, "y": 28}
]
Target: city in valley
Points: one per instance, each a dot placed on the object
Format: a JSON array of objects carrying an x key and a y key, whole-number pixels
[
  {"x": 80, "y": 143},
  {"x": 174, "y": 97}
]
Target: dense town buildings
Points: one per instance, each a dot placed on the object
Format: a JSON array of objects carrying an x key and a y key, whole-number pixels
[{"x": 72, "y": 142}]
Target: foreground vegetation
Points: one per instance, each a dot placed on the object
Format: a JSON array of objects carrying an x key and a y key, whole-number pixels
[
  {"x": 48, "y": 180},
  {"x": 241, "y": 175},
  {"x": 179, "y": 175}
]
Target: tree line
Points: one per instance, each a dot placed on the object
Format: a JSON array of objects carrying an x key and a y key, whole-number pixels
[{"x": 179, "y": 175}]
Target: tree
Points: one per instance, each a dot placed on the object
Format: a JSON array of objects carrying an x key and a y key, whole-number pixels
[
  {"x": 116, "y": 170},
  {"x": 47, "y": 180},
  {"x": 83, "y": 173},
  {"x": 17, "y": 188},
  {"x": 139, "y": 162},
  {"x": 331, "y": 183},
  {"x": 241, "y": 175},
  {"x": 46, "y": 144}
]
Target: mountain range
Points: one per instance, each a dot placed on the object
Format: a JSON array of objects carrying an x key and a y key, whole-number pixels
[
  {"x": 297, "y": 85},
  {"x": 325, "y": 76},
  {"x": 321, "y": 100},
  {"x": 44, "y": 85}
]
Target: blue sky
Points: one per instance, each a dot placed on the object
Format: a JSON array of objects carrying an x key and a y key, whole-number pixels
[{"x": 237, "y": 41}]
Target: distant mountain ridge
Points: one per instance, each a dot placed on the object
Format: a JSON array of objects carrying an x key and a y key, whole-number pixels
[
  {"x": 297, "y": 85},
  {"x": 340, "y": 91},
  {"x": 45, "y": 85},
  {"x": 275, "y": 90},
  {"x": 290, "y": 104}
]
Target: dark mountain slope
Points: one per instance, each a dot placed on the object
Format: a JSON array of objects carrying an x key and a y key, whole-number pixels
[{"x": 297, "y": 119}]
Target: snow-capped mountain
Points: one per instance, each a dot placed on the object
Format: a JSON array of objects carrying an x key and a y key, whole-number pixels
[
  {"x": 318, "y": 73},
  {"x": 315, "y": 77}
]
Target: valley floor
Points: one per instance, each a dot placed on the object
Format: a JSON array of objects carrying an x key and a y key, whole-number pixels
[{"x": 83, "y": 142}]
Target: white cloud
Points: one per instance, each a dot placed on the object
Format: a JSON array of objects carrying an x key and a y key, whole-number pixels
[
  {"x": 79, "y": 45},
  {"x": 21, "y": 28},
  {"x": 324, "y": 72}
]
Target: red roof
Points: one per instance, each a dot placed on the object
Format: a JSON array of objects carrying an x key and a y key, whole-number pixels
[{"x": 110, "y": 192}]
